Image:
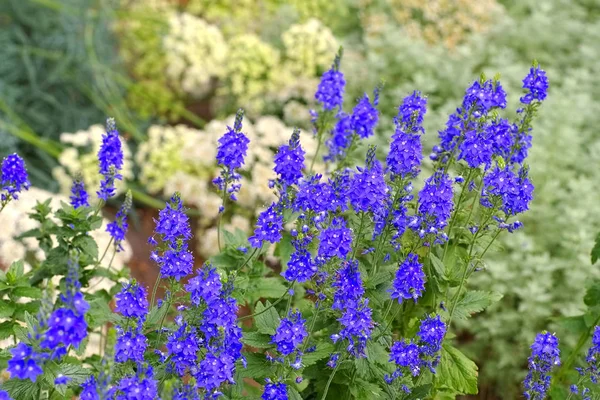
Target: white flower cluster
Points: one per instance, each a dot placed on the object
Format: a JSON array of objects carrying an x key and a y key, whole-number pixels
[
  {"x": 182, "y": 159},
  {"x": 81, "y": 157},
  {"x": 309, "y": 48},
  {"x": 195, "y": 52}
]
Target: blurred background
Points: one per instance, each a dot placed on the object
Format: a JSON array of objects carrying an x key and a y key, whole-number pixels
[{"x": 172, "y": 73}]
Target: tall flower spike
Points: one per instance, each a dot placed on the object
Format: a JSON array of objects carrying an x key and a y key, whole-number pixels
[
  {"x": 268, "y": 227},
  {"x": 79, "y": 196},
  {"x": 545, "y": 355},
  {"x": 409, "y": 282},
  {"x": 173, "y": 227},
  {"x": 330, "y": 92},
  {"x": 536, "y": 83},
  {"x": 365, "y": 116},
  {"x": 110, "y": 158},
  {"x": 368, "y": 190},
  {"x": 231, "y": 154},
  {"x": 118, "y": 228},
  {"x": 289, "y": 160},
  {"x": 14, "y": 178},
  {"x": 290, "y": 334}
]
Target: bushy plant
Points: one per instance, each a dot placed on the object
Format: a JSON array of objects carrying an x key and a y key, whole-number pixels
[{"x": 367, "y": 280}]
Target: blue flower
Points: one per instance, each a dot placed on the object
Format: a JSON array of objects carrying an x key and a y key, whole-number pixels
[
  {"x": 130, "y": 345},
  {"x": 365, "y": 116},
  {"x": 62, "y": 380},
  {"x": 205, "y": 286},
  {"x": 335, "y": 241},
  {"x": 118, "y": 228},
  {"x": 341, "y": 137},
  {"x": 4, "y": 395},
  {"x": 176, "y": 262},
  {"x": 173, "y": 223},
  {"x": 431, "y": 334},
  {"x": 435, "y": 205},
  {"x": 110, "y": 158},
  {"x": 24, "y": 363},
  {"x": 14, "y": 177},
  {"x": 544, "y": 356},
  {"x": 481, "y": 97},
  {"x": 404, "y": 158},
  {"x": 406, "y": 355},
  {"x": 215, "y": 369},
  {"x": 275, "y": 391},
  {"x": 368, "y": 190},
  {"x": 231, "y": 154},
  {"x": 132, "y": 301},
  {"x": 138, "y": 387},
  {"x": 357, "y": 325},
  {"x": 268, "y": 227},
  {"x": 289, "y": 160},
  {"x": 301, "y": 266},
  {"x": 79, "y": 197},
  {"x": 348, "y": 285},
  {"x": 65, "y": 328},
  {"x": 476, "y": 149},
  {"x": 500, "y": 133},
  {"x": 514, "y": 192},
  {"x": 536, "y": 83},
  {"x": 186, "y": 392},
  {"x": 183, "y": 346},
  {"x": 290, "y": 334},
  {"x": 411, "y": 112},
  {"x": 330, "y": 92},
  {"x": 314, "y": 196},
  {"x": 409, "y": 282}
]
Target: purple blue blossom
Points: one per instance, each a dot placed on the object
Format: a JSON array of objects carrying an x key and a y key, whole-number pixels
[
  {"x": 330, "y": 92},
  {"x": 365, "y": 116},
  {"x": 545, "y": 355},
  {"x": 301, "y": 267},
  {"x": 335, "y": 240},
  {"x": 536, "y": 83},
  {"x": 275, "y": 391},
  {"x": 368, "y": 190},
  {"x": 407, "y": 357},
  {"x": 205, "y": 286},
  {"x": 341, "y": 137},
  {"x": 268, "y": 227},
  {"x": 110, "y": 158},
  {"x": 435, "y": 205},
  {"x": 14, "y": 177},
  {"x": 130, "y": 345},
  {"x": 24, "y": 363},
  {"x": 79, "y": 197},
  {"x": 131, "y": 301},
  {"x": 409, "y": 282},
  {"x": 289, "y": 160},
  {"x": 118, "y": 228},
  {"x": 290, "y": 333}
]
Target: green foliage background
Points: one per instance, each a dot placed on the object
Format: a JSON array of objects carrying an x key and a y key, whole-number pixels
[{"x": 62, "y": 70}]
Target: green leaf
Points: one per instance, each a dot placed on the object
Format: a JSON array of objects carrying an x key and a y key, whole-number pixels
[
  {"x": 156, "y": 315},
  {"x": 419, "y": 392},
  {"x": 6, "y": 329},
  {"x": 7, "y": 308},
  {"x": 100, "y": 313},
  {"x": 88, "y": 246},
  {"x": 270, "y": 288},
  {"x": 438, "y": 267},
  {"x": 323, "y": 350},
  {"x": 293, "y": 394},
  {"x": 22, "y": 389},
  {"x": 27, "y": 291},
  {"x": 596, "y": 250},
  {"x": 267, "y": 321},
  {"x": 76, "y": 373},
  {"x": 257, "y": 366},
  {"x": 257, "y": 339},
  {"x": 456, "y": 372},
  {"x": 475, "y": 301},
  {"x": 284, "y": 250},
  {"x": 592, "y": 294}
]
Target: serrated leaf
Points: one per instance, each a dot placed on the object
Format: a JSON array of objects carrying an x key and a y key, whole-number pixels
[
  {"x": 323, "y": 350},
  {"x": 266, "y": 321},
  {"x": 156, "y": 315},
  {"x": 293, "y": 394},
  {"x": 438, "y": 267},
  {"x": 456, "y": 371},
  {"x": 27, "y": 291},
  {"x": 596, "y": 250},
  {"x": 270, "y": 288},
  {"x": 592, "y": 294},
  {"x": 7, "y": 308},
  {"x": 6, "y": 329},
  {"x": 100, "y": 313},
  {"x": 76, "y": 373},
  {"x": 88, "y": 246},
  {"x": 21, "y": 389},
  {"x": 475, "y": 301},
  {"x": 284, "y": 250},
  {"x": 257, "y": 366},
  {"x": 17, "y": 268},
  {"x": 419, "y": 392},
  {"x": 257, "y": 339}
]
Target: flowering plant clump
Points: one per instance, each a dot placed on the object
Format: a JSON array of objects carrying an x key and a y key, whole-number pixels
[{"x": 349, "y": 286}]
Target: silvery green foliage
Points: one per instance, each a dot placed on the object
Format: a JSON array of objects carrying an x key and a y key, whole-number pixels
[{"x": 543, "y": 268}]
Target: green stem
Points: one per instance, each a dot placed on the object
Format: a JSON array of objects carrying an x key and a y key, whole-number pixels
[
  {"x": 330, "y": 380},
  {"x": 158, "y": 278},
  {"x": 220, "y": 222},
  {"x": 453, "y": 219},
  {"x": 360, "y": 229},
  {"x": 312, "y": 325},
  {"x": 312, "y": 164},
  {"x": 567, "y": 366}
]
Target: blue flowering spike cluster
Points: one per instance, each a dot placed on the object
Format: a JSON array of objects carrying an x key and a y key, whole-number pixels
[
  {"x": 14, "y": 178},
  {"x": 173, "y": 228},
  {"x": 110, "y": 160},
  {"x": 231, "y": 154},
  {"x": 545, "y": 355},
  {"x": 344, "y": 233},
  {"x": 79, "y": 197}
]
